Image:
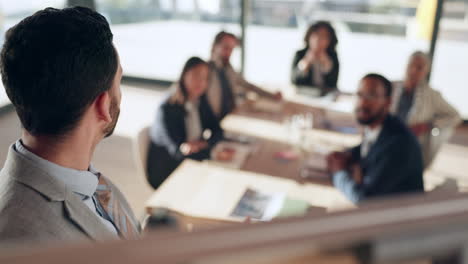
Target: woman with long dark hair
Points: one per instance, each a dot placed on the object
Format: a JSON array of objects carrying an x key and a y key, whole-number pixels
[
  {"x": 185, "y": 126},
  {"x": 317, "y": 64}
]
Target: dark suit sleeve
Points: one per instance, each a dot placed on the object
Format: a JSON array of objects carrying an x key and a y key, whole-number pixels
[
  {"x": 217, "y": 133},
  {"x": 331, "y": 78},
  {"x": 390, "y": 168},
  {"x": 173, "y": 129},
  {"x": 355, "y": 153},
  {"x": 209, "y": 121}
]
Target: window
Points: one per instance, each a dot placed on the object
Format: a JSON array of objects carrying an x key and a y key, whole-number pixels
[
  {"x": 155, "y": 38},
  {"x": 374, "y": 36},
  {"x": 3, "y": 97},
  {"x": 450, "y": 63},
  {"x": 11, "y": 12}
]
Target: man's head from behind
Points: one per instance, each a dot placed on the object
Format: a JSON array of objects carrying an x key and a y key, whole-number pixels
[
  {"x": 59, "y": 67},
  {"x": 374, "y": 98}
]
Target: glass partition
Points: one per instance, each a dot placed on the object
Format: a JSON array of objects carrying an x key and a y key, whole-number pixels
[
  {"x": 374, "y": 36},
  {"x": 156, "y": 37},
  {"x": 11, "y": 12},
  {"x": 451, "y": 56}
]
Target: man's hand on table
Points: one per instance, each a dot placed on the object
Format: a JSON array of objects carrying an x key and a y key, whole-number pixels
[{"x": 338, "y": 161}]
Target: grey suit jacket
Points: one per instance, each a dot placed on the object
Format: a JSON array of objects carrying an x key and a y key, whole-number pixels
[
  {"x": 36, "y": 208},
  {"x": 429, "y": 106}
]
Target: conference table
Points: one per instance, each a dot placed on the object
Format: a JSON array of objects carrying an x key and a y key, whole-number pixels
[
  {"x": 267, "y": 130},
  {"x": 203, "y": 194}
]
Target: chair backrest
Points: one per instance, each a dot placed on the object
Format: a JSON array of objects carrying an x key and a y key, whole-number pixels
[
  {"x": 141, "y": 146},
  {"x": 140, "y": 153}
]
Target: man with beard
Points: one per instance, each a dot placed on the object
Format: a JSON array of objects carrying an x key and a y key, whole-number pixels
[
  {"x": 225, "y": 83},
  {"x": 62, "y": 73},
  {"x": 389, "y": 159}
]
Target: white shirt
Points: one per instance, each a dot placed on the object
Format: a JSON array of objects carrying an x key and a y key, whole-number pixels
[
  {"x": 82, "y": 183},
  {"x": 193, "y": 127},
  {"x": 319, "y": 71},
  {"x": 369, "y": 138}
]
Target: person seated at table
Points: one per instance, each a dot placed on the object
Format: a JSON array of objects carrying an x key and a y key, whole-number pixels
[
  {"x": 389, "y": 159},
  {"x": 317, "y": 64},
  {"x": 225, "y": 83},
  {"x": 431, "y": 118},
  {"x": 185, "y": 126}
]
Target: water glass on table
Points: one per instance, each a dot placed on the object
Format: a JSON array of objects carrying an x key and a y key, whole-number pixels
[{"x": 297, "y": 129}]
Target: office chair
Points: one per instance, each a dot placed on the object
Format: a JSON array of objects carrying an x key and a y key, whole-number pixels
[{"x": 140, "y": 153}]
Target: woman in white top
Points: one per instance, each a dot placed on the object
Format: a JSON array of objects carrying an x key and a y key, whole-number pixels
[
  {"x": 427, "y": 113},
  {"x": 185, "y": 126}
]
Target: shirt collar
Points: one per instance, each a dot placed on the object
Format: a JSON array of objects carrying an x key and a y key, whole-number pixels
[
  {"x": 191, "y": 105},
  {"x": 219, "y": 64},
  {"x": 83, "y": 183},
  {"x": 371, "y": 135}
]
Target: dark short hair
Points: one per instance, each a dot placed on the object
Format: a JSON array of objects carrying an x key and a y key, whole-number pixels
[
  {"x": 220, "y": 36},
  {"x": 385, "y": 82},
  {"x": 327, "y": 26},
  {"x": 54, "y": 64}
]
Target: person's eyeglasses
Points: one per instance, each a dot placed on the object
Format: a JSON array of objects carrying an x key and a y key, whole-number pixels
[{"x": 370, "y": 97}]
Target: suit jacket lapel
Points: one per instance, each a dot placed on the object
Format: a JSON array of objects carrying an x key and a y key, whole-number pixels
[
  {"x": 124, "y": 205},
  {"x": 376, "y": 146},
  {"x": 80, "y": 214},
  {"x": 23, "y": 170}
]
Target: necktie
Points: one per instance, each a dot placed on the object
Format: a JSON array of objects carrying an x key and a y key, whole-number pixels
[
  {"x": 405, "y": 105},
  {"x": 227, "y": 97},
  {"x": 117, "y": 214}
]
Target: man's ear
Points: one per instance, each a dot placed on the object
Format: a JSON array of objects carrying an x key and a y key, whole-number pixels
[{"x": 102, "y": 107}]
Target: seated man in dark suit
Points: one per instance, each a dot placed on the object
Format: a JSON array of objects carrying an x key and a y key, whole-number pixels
[{"x": 389, "y": 159}]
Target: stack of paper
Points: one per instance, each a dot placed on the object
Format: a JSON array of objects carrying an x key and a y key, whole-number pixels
[
  {"x": 268, "y": 106},
  {"x": 207, "y": 191},
  {"x": 266, "y": 206}
]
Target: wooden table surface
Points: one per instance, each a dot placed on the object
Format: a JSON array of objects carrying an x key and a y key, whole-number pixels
[
  {"x": 269, "y": 136},
  {"x": 263, "y": 161},
  {"x": 324, "y": 118}
]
